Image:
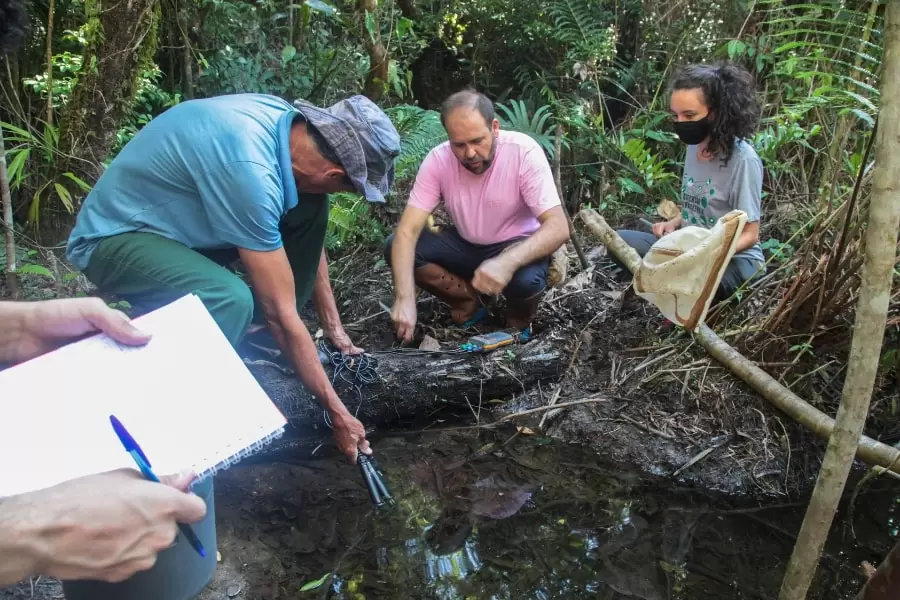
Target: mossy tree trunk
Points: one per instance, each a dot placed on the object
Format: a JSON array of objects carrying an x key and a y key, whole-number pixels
[
  {"x": 377, "y": 77},
  {"x": 123, "y": 38}
]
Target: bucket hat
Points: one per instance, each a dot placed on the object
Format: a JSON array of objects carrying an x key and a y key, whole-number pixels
[{"x": 362, "y": 137}]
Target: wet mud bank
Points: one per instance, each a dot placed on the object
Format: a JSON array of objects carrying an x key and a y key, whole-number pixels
[{"x": 692, "y": 426}]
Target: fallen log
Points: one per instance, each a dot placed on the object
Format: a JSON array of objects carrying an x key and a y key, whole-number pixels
[
  {"x": 869, "y": 450},
  {"x": 399, "y": 386}
]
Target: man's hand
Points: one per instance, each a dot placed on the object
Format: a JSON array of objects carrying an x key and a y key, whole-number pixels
[
  {"x": 492, "y": 276},
  {"x": 404, "y": 316},
  {"x": 349, "y": 434},
  {"x": 665, "y": 227},
  {"x": 342, "y": 341},
  {"x": 34, "y": 328},
  {"x": 107, "y": 526}
]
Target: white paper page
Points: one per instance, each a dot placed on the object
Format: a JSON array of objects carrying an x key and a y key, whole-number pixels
[{"x": 186, "y": 397}]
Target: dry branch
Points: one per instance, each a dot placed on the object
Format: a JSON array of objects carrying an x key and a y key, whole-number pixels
[{"x": 869, "y": 450}]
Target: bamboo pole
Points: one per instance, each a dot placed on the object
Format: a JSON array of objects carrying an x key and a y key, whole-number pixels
[
  {"x": 869, "y": 450},
  {"x": 868, "y": 330}
]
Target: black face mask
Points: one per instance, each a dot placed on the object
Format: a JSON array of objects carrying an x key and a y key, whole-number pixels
[{"x": 692, "y": 132}]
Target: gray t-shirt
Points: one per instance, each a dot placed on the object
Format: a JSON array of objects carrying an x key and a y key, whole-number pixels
[{"x": 710, "y": 190}]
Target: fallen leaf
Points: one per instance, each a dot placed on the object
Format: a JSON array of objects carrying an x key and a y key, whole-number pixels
[
  {"x": 429, "y": 343},
  {"x": 525, "y": 430},
  {"x": 668, "y": 210},
  {"x": 311, "y": 585}
]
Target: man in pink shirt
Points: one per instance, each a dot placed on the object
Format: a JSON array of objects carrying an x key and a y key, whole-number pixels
[{"x": 499, "y": 192}]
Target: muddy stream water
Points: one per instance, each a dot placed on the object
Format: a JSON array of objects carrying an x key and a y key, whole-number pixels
[{"x": 488, "y": 514}]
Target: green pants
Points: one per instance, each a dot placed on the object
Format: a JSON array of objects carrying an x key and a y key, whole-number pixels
[{"x": 149, "y": 271}]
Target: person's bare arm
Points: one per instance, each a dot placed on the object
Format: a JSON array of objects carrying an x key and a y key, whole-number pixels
[
  {"x": 403, "y": 250},
  {"x": 403, "y": 258},
  {"x": 327, "y": 310},
  {"x": 106, "y": 526},
  {"x": 273, "y": 284},
  {"x": 494, "y": 274},
  {"x": 749, "y": 237}
]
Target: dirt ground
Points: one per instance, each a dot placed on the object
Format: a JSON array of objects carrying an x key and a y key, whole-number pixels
[{"x": 666, "y": 401}]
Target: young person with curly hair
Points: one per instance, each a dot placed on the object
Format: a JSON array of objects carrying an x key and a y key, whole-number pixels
[{"x": 715, "y": 111}]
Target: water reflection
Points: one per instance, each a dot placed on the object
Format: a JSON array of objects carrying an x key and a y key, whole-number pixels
[{"x": 523, "y": 520}]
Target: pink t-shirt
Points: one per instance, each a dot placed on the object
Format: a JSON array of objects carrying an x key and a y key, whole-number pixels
[{"x": 500, "y": 204}]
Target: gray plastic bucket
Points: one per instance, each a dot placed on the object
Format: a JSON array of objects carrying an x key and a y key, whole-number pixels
[{"x": 179, "y": 573}]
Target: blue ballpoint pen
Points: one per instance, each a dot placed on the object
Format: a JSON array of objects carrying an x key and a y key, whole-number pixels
[{"x": 132, "y": 447}]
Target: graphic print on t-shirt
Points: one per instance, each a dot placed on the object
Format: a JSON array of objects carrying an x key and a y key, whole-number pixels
[{"x": 695, "y": 200}]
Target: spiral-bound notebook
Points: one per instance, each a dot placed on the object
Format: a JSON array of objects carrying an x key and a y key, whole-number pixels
[{"x": 186, "y": 397}]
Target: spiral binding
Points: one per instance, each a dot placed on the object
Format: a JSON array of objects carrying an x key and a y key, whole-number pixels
[{"x": 230, "y": 461}]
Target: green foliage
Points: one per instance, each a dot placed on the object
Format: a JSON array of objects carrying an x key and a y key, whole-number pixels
[
  {"x": 781, "y": 251},
  {"x": 828, "y": 51},
  {"x": 420, "y": 130},
  {"x": 587, "y": 31},
  {"x": 350, "y": 222},
  {"x": 538, "y": 126},
  {"x": 32, "y": 159}
]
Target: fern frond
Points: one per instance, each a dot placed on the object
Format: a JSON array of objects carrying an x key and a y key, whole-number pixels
[
  {"x": 420, "y": 130},
  {"x": 577, "y": 21},
  {"x": 515, "y": 117}
]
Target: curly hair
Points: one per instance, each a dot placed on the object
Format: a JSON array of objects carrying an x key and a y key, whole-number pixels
[
  {"x": 13, "y": 25},
  {"x": 729, "y": 93}
]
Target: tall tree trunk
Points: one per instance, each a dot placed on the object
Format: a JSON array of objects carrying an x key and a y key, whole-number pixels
[
  {"x": 107, "y": 82},
  {"x": 12, "y": 283},
  {"x": 868, "y": 332},
  {"x": 187, "y": 82},
  {"x": 377, "y": 77},
  {"x": 50, "y": 63},
  {"x": 884, "y": 584},
  {"x": 409, "y": 9}
]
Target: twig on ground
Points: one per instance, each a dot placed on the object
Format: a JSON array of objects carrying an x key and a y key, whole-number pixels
[
  {"x": 647, "y": 428},
  {"x": 653, "y": 361},
  {"x": 543, "y": 408},
  {"x": 561, "y": 382}
]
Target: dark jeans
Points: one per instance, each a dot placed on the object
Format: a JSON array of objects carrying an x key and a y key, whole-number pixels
[
  {"x": 449, "y": 250},
  {"x": 739, "y": 270}
]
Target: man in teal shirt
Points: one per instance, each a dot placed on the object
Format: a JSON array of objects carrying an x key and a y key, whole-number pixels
[{"x": 238, "y": 176}]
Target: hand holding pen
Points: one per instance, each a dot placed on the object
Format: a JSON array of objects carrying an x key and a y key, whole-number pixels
[
  {"x": 104, "y": 527},
  {"x": 143, "y": 463}
]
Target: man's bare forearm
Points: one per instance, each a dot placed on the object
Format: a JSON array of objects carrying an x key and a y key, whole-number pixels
[
  {"x": 543, "y": 242},
  {"x": 323, "y": 296},
  {"x": 17, "y": 540},
  {"x": 12, "y": 329},
  {"x": 403, "y": 258}
]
